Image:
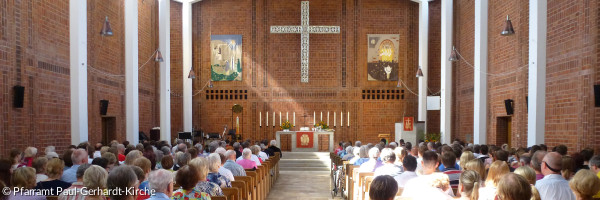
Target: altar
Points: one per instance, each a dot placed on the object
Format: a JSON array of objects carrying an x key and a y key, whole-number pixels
[{"x": 305, "y": 141}]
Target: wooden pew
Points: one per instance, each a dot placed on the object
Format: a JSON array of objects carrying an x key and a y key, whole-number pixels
[
  {"x": 243, "y": 186},
  {"x": 218, "y": 198},
  {"x": 249, "y": 181},
  {"x": 350, "y": 180},
  {"x": 366, "y": 186},
  {"x": 257, "y": 187},
  {"x": 359, "y": 182},
  {"x": 231, "y": 193}
]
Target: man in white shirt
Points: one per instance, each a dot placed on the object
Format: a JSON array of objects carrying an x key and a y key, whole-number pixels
[
  {"x": 389, "y": 168},
  {"x": 553, "y": 185},
  {"x": 410, "y": 165}
]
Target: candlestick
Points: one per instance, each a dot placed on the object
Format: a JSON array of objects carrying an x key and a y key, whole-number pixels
[
  {"x": 267, "y": 118},
  {"x": 280, "y": 118},
  {"x": 341, "y": 118},
  {"x": 321, "y": 116},
  {"x": 259, "y": 118},
  {"x": 237, "y": 123},
  {"x": 273, "y": 118},
  {"x": 348, "y": 119},
  {"x": 287, "y": 117},
  {"x": 294, "y": 118},
  {"x": 327, "y": 117},
  {"x": 334, "y": 118},
  {"x": 314, "y": 118}
]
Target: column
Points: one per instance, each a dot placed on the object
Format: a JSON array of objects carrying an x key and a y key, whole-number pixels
[
  {"x": 186, "y": 23},
  {"x": 480, "y": 72},
  {"x": 538, "y": 12},
  {"x": 164, "y": 39},
  {"x": 423, "y": 41},
  {"x": 131, "y": 72},
  {"x": 78, "y": 72},
  {"x": 446, "y": 73}
]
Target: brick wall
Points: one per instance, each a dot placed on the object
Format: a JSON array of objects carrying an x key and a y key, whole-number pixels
[
  {"x": 34, "y": 53},
  {"x": 271, "y": 66},
  {"x": 572, "y": 52}
]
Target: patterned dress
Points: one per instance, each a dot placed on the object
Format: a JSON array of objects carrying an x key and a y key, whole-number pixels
[
  {"x": 194, "y": 194},
  {"x": 218, "y": 179},
  {"x": 210, "y": 188}
]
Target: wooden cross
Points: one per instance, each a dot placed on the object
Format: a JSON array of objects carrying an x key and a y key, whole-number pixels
[{"x": 305, "y": 30}]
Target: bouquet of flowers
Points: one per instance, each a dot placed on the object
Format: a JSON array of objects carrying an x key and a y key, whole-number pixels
[
  {"x": 432, "y": 137},
  {"x": 322, "y": 124},
  {"x": 286, "y": 125}
]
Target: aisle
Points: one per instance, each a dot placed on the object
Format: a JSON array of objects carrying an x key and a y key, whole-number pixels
[{"x": 302, "y": 176}]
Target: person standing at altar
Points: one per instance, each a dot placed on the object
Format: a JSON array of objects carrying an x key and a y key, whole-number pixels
[{"x": 273, "y": 148}]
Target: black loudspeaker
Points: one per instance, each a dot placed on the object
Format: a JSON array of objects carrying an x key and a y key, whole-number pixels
[
  {"x": 184, "y": 135},
  {"x": 103, "y": 107},
  {"x": 597, "y": 95},
  {"x": 19, "y": 95},
  {"x": 155, "y": 135},
  {"x": 509, "y": 106}
]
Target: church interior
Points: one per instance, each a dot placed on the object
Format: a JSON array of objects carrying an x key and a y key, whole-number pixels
[{"x": 480, "y": 72}]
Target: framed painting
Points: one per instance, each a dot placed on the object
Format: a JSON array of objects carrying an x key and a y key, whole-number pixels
[
  {"x": 226, "y": 57},
  {"x": 382, "y": 57}
]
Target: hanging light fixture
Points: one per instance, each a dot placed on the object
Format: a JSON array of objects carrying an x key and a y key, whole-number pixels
[
  {"x": 508, "y": 28},
  {"x": 192, "y": 75},
  {"x": 419, "y": 72},
  {"x": 453, "y": 55},
  {"x": 106, "y": 30},
  {"x": 158, "y": 57}
]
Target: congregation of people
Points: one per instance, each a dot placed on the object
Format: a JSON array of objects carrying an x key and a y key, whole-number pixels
[
  {"x": 431, "y": 170},
  {"x": 150, "y": 170}
]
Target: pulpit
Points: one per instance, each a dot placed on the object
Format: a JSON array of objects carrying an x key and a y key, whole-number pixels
[{"x": 305, "y": 141}]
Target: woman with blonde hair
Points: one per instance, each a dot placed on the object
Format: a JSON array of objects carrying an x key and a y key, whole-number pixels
[
  {"x": 23, "y": 177},
  {"x": 212, "y": 189},
  {"x": 28, "y": 156},
  {"x": 497, "y": 170},
  {"x": 585, "y": 184},
  {"x": 513, "y": 187},
  {"x": 476, "y": 165},
  {"x": 54, "y": 170},
  {"x": 468, "y": 186},
  {"x": 529, "y": 174},
  {"x": 465, "y": 157},
  {"x": 94, "y": 179}
]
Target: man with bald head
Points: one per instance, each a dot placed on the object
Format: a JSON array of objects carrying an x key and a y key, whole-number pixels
[
  {"x": 553, "y": 185},
  {"x": 536, "y": 164}
]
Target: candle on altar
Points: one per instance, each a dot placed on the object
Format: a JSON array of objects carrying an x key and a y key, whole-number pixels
[
  {"x": 280, "y": 118},
  {"x": 294, "y": 118},
  {"x": 267, "y": 118},
  {"x": 348, "y": 118},
  {"x": 237, "y": 123},
  {"x": 327, "y": 117},
  {"x": 273, "y": 118},
  {"x": 321, "y": 116},
  {"x": 334, "y": 116},
  {"x": 341, "y": 118},
  {"x": 314, "y": 118},
  {"x": 287, "y": 116},
  {"x": 259, "y": 118}
]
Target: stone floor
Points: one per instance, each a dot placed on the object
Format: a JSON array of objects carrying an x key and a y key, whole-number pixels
[{"x": 303, "y": 176}]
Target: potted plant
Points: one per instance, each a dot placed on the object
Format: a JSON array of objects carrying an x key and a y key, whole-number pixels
[{"x": 322, "y": 125}]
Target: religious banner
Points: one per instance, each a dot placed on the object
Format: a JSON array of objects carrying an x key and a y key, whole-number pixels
[
  {"x": 409, "y": 123},
  {"x": 304, "y": 139},
  {"x": 226, "y": 57},
  {"x": 382, "y": 57}
]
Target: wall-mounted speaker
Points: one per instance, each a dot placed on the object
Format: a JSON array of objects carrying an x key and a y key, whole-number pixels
[
  {"x": 103, "y": 107},
  {"x": 508, "y": 104},
  {"x": 597, "y": 95},
  {"x": 18, "y": 96}
]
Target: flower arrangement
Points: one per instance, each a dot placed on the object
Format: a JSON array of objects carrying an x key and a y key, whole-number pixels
[
  {"x": 432, "y": 137},
  {"x": 322, "y": 124},
  {"x": 286, "y": 125}
]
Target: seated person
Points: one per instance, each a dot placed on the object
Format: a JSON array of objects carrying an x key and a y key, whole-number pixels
[
  {"x": 246, "y": 160},
  {"x": 54, "y": 169},
  {"x": 373, "y": 163},
  {"x": 410, "y": 165},
  {"x": 448, "y": 158},
  {"x": 364, "y": 156},
  {"x": 513, "y": 187},
  {"x": 383, "y": 188},
  {"x": 388, "y": 158},
  {"x": 214, "y": 163}
]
